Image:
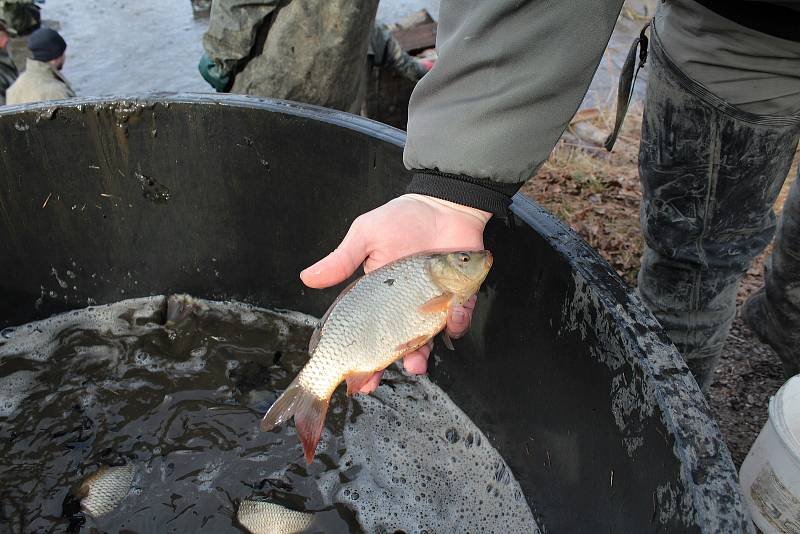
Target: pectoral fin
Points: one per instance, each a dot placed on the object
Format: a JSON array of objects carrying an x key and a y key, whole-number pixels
[{"x": 437, "y": 304}]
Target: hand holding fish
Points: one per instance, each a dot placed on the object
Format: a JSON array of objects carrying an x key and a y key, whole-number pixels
[
  {"x": 406, "y": 225},
  {"x": 414, "y": 283}
]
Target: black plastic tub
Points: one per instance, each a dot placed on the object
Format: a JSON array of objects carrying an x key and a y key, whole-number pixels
[{"x": 229, "y": 197}]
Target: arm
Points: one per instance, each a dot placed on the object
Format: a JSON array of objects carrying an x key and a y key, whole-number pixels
[{"x": 510, "y": 76}]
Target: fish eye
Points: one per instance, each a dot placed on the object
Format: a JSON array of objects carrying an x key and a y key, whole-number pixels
[{"x": 463, "y": 257}]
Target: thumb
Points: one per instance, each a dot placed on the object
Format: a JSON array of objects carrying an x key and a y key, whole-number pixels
[{"x": 337, "y": 266}]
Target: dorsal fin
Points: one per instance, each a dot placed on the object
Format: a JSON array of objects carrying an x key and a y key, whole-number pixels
[{"x": 314, "y": 341}]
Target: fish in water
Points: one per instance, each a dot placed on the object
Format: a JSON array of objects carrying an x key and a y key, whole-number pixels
[
  {"x": 260, "y": 517},
  {"x": 378, "y": 319},
  {"x": 104, "y": 490},
  {"x": 180, "y": 307}
]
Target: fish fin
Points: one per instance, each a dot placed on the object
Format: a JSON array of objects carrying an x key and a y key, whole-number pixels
[
  {"x": 355, "y": 381},
  {"x": 282, "y": 409},
  {"x": 447, "y": 341},
  {"x": 314, "y": 341},
  {"x": 437, "y": 304},
  {"x": 309, "y": 416},
  {"x": 411, "y": 346}
]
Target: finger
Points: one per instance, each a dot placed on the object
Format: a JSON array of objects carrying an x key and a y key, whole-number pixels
[
  {"x": 416, "y": 362},
  {"x": 372, "y": 384},
  {"x": 340, "y": 264},
  {"x": 460, "y": 317}
]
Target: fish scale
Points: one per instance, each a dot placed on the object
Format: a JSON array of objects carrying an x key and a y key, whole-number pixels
[
  {"x": 104, "y": 490},
  {"x": 261, "y": 517},
  {"x": 363, "y": 338},
  {"x": 381, "y": 317}
]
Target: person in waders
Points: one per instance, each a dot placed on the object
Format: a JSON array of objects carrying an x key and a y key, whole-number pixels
[
  {"x": 313, "y": 52},
  {"x": 8, "y": 70},
  {"x": 721, "y": 126}
]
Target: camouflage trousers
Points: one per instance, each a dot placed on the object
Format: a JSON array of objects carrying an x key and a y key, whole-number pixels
[{"x": 711, "y": 173}]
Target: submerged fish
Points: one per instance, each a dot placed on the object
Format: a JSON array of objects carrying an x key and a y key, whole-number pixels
[
  {"x": 378, "y": 319},
  {"x": 260, "y": 517},
  {"x": 180, "y": 307},
  {"x": 104, "y": 490}
]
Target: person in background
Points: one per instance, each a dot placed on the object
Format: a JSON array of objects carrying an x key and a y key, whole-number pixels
[
  {"x": 42, "y": 79},
  {"x": 386, "y": 53},
  {"x": 309, "y": 51},
  {"x": 8, "y": 70},
  {"x": 24, "y": 16}
]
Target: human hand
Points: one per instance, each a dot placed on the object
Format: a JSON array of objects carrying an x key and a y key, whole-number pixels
[{"x": 406, "y": 225}]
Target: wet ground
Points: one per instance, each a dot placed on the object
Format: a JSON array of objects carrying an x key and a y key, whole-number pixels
[{"x": 179, "y": 404}]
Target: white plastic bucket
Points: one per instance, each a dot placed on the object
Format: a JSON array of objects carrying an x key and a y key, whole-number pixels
[{"x": 770, "y": 475}]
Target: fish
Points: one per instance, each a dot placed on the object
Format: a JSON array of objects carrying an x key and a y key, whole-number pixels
[
  {"x": 180, "y": 307},
  {"x": 376, "y": 320},
  {"x": 105, "y": 489},
  {"x": 261, "y": 517}
]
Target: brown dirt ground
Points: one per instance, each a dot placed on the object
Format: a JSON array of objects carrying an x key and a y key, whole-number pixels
[{"x": 598, "y": 194}]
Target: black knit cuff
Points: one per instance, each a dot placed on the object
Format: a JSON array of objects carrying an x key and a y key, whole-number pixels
[{"x": 479, "y": 193}]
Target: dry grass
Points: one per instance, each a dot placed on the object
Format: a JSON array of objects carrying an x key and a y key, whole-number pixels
[{"x": 598, "y": 194}]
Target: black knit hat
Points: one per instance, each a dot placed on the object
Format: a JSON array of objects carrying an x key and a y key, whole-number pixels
[{"x": 46, "y": 44}]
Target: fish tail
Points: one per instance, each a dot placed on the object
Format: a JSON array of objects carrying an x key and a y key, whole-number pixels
[{"x": 309, "y": 416}]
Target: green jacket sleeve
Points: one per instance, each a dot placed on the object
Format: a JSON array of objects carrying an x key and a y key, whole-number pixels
[
  {"x": 233, "y": 28},
  {"x": 510, "y": 76}
]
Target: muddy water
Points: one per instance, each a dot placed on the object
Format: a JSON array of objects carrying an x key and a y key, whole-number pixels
[
  {"x": 121, "y": 47},
  {"x": 181, "y": 403}
]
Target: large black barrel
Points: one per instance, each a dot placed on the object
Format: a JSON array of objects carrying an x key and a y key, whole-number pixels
[{"x": 229, "y": 197}]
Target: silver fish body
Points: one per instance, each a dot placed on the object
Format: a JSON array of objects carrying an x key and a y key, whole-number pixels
[
  {"x": 103, "y": 491},
  {"x": 375, "y": 321},
  {"x": 381, "y": 317},
  {"x": 260, "y": 517}
]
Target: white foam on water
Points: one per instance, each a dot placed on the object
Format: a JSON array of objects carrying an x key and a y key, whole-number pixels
[
  {"x": 412, "y": 461},
  {"x": 423, "y": 466},
  {"x": 37, "y": 340},
  {"x": 13, "y": 390}
]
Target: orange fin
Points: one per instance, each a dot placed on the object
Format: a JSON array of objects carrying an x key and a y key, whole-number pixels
[
  {"x": 412, "y": 345},
  {"x": 356, "y": 381},
  {"x": 309, "y": 416},
  {"x": 437, "y": 304}
]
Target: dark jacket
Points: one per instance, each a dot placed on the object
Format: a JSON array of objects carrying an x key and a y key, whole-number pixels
[{"x": 8, "y": 74}]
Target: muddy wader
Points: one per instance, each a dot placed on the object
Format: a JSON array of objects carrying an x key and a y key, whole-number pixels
[
  {"x": 311, "y": 51},
  {"x": 720, "y": 130}
]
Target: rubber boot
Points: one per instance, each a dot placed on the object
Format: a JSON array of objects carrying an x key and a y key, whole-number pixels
[
  {"x": 710, "y": 175},
  {"x": 773, "y": 312}
]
